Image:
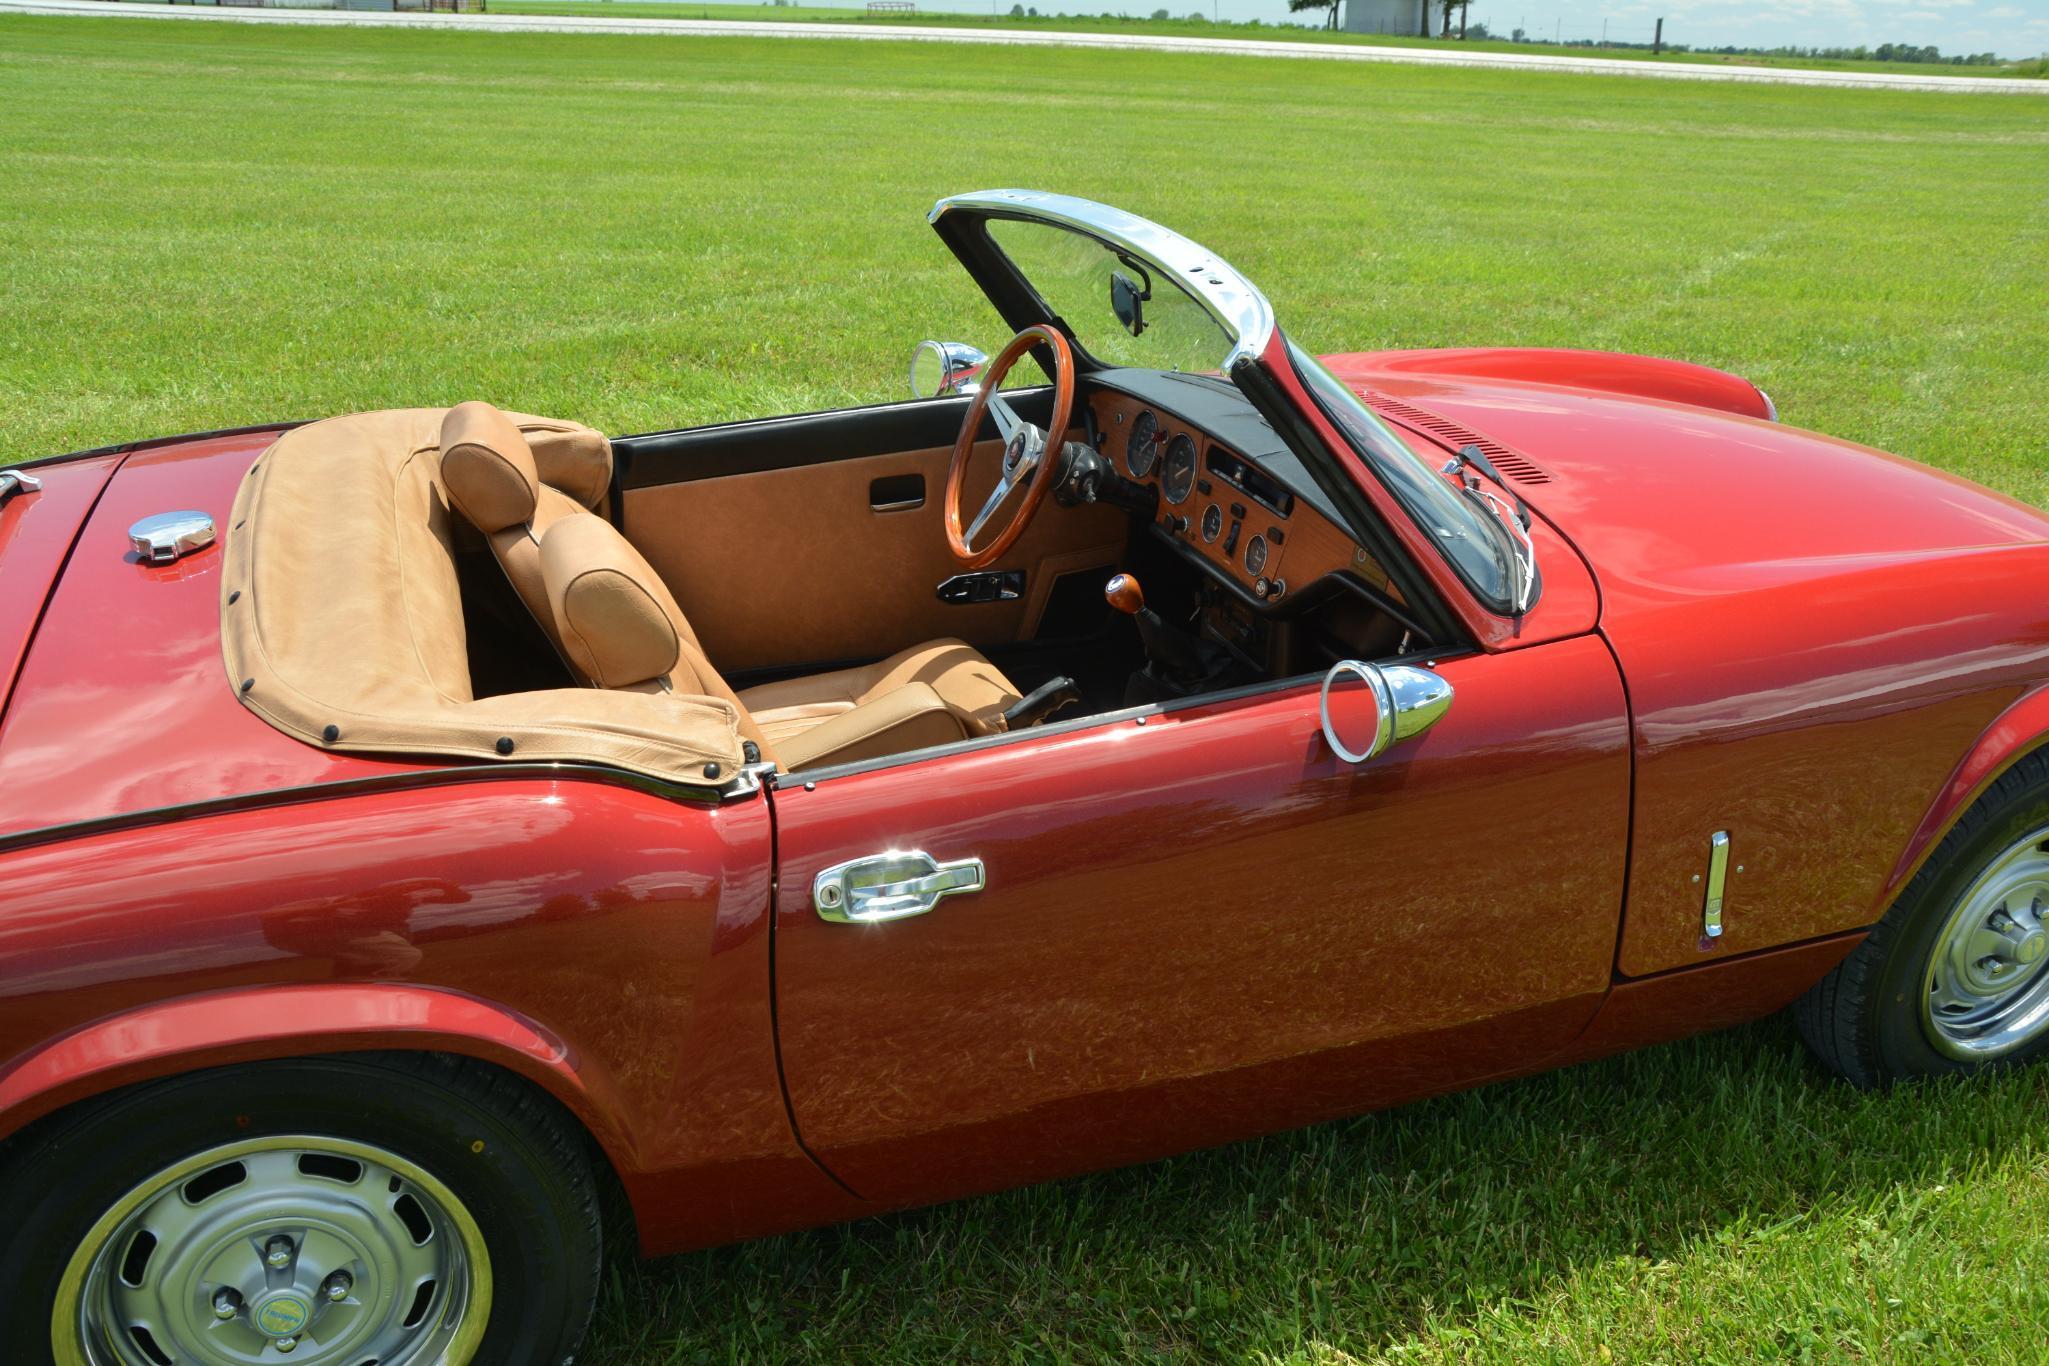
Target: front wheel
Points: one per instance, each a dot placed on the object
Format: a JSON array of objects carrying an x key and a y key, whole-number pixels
[
  {"x": 400, "y": 1209},
  {"x": 1955, "y": 978}
]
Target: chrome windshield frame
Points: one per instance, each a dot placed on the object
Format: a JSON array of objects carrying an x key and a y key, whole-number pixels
[
  {"x": 1257, "y": 358},
  {"x": 1233, "y": 301}
]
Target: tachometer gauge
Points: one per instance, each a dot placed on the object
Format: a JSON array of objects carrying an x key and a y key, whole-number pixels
[
  {"x": 1255, "y": 556},
  {"x": 1212, "y": 522},
  {"x": 1177, "y": 476},
  {"x": 1142, "y": 448}
]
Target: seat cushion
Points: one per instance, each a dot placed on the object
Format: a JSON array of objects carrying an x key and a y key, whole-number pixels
[{"x": 972, "y": 691}]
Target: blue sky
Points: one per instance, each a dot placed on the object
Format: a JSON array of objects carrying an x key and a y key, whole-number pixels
[{"x": 2012, "y": 28}]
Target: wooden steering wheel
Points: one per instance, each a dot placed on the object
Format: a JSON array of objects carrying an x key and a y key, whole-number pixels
[{"x": 1030, "y": 457}]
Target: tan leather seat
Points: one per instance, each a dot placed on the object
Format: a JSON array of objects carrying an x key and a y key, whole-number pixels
[
  {"x": 833, "y": 709},
  {"x": 492, "y": 471},
  {"x": 618, "y": 626}
]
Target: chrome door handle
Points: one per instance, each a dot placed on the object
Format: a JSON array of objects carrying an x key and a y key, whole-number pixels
[{"x": 890, "y": 886}]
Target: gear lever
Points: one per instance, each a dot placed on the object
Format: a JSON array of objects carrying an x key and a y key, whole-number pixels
[{"x": 1171, "y": 652}]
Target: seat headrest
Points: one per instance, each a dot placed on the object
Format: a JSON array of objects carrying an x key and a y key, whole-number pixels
[
  {"x": 487, "y": 467},
  {"x": 617, "y": 618}
]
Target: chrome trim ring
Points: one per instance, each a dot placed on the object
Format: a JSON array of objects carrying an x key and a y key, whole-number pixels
[
  {"x": 1383, "y": 707},
  {"x": 287, "y": 1248},
  {"x": 1986, "y": 993}
]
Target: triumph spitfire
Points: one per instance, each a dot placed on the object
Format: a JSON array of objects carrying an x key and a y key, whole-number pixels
[{"x": 426, "y": 833}]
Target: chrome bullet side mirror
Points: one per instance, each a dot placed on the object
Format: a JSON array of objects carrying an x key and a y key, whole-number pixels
[{"x": 1406, "y": 701}]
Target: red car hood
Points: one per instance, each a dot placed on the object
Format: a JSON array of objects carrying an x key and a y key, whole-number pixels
[
  {"x": 1669, "y": 502},
  {"x": 122, "y": 703}
]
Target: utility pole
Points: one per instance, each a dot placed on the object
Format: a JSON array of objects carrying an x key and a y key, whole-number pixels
[
  {"x": 1604, "y": 33},
  {"x": 1658, "y": 39}
]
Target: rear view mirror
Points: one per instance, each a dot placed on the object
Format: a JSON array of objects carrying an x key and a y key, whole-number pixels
[{"x": 1127, "y": 300}]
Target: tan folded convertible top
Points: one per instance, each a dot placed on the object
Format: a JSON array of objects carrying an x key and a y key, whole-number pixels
[{"x": 342, "y": 624}]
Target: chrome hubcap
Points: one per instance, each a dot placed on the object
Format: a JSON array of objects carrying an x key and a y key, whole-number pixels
[
  {"x": 1987, "y": 991},
  {"x": 312, "y": 1250}
]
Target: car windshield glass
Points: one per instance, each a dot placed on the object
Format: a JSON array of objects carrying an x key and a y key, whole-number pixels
[
  {"x": 1473, "y": 540},
  {"x": 1118, "y": 311}
]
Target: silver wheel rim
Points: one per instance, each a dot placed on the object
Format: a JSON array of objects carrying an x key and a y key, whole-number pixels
[
  {"x": 1987, "y": 989},
  {"x": 288, "y": 1249}
]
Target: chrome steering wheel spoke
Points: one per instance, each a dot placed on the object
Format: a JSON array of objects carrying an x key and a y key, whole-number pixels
[
  {"x": 1021, "y": 455},
  {"x": 1008, "y": 423}
]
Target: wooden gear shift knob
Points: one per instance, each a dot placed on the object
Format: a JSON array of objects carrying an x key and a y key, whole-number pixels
[{"x": 1124, "y": 594}]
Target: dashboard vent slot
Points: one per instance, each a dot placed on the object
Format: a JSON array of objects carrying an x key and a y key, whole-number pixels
[{"x": 1456, "y": 436}]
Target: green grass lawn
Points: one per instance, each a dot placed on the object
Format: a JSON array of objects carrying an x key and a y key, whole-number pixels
[
  {"x": 210, "y": 225},
  {"x": 1192, "y": 25}
]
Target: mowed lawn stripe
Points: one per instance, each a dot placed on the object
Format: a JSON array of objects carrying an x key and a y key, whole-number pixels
[{"x": 204, "y": 226}]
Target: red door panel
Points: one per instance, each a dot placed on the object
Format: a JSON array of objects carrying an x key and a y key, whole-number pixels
[{"x": 1203, "y": 926}]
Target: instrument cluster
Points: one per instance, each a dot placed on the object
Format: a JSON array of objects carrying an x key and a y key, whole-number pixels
[{"x": 1212, "y": 500}]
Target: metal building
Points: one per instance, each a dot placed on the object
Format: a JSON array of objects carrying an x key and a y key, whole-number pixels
[{"x": 1392, "y": 16}]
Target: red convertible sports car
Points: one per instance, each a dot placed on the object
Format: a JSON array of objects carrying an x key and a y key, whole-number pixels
[{"x": 439, "y": 843}]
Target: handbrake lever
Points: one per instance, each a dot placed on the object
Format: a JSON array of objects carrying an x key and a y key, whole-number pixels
[{"x": 1040, "y": 703}]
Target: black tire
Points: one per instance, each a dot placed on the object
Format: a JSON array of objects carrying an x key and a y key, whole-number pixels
[
  {"x": 509, "y": 1153},
  {"x": 1865, "y": 1019}
]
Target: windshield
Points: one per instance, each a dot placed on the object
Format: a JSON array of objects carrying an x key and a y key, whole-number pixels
[
  {"x": 1473, "y": 539},
  {"x": 1119, "y": 311}
]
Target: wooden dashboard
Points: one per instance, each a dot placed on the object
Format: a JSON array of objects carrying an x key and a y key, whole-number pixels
[{"x": 1228, "y": 510}]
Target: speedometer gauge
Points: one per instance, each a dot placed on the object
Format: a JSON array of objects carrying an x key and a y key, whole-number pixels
[
  {"x": 1177, "y": 477},
  {"x": 1142, "y": 448}
]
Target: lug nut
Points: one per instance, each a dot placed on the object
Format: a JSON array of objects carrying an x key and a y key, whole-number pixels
[
  {"x": 338, "y": 1286},
  {"x": 226, "y": 1304},
  {"x": 285, "y": 1344},
  {"x": 278, "y": 1252}
]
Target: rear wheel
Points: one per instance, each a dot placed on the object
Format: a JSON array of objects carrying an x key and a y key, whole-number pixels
[
  {"x": 396, "y": 1209},
  {"x": 1956, "y": 976}
]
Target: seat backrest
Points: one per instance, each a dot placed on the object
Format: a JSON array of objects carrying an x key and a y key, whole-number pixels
[
  {"x": 492, "y": 465},
  {"x": 619, "y": 626}
]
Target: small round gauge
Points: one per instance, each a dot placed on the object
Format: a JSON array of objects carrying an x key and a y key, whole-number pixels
[
  {"x": 1142, "y": 447},
  {"x": 1177, "y": 476},
  {"x": 1212, "y": 522},
  {"x": 1255, "y": 556}
]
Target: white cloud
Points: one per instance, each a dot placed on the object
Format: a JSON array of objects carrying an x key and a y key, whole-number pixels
[{"x": 2006, "y": 12}]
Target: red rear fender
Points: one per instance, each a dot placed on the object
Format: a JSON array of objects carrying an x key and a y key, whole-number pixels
[{"x": 260, "y": 1023}]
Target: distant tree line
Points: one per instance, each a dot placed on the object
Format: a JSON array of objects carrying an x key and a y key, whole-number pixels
[
  {"x": 1884, "y": 52},
  {"x": 1454, "y": 13}
]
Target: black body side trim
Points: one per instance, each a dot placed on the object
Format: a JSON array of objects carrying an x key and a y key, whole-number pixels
[
  {"x": 351, "y": 787},
  {"x": 1249, "y": 690}
]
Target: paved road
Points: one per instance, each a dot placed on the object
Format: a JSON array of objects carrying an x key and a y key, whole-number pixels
[{"x": 1324, "y": 52}]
